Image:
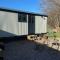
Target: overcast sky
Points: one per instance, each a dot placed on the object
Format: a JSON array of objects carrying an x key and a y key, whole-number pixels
[{"x": 25, "y": 5}]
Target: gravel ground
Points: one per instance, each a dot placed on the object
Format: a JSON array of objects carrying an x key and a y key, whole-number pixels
[{"x": 28, "y": 50}]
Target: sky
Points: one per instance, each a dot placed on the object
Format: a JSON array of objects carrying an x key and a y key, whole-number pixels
[{"x": 25, "y": 5}]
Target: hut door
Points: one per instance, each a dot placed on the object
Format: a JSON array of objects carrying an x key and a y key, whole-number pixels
[{"x": 31, "y": 24}]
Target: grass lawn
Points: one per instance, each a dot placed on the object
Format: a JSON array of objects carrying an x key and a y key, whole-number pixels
[{"x": 51, "y": 34}]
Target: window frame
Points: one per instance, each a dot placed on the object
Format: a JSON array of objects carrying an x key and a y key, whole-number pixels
[{"x": 22, "y": 17}]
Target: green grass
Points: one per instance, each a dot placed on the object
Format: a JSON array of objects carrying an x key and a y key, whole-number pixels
[{"x": 51, "y": 34}]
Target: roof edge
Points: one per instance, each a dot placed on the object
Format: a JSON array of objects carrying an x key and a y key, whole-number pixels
[{"x": 20, "y": 11}]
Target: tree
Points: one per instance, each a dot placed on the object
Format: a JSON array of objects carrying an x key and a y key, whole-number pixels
[{"x": 52, "y": 8}]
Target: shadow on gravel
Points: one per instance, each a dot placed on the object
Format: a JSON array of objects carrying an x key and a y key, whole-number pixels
[{"x": 29, "y": 50}]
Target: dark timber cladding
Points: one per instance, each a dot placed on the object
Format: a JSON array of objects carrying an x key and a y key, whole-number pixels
[{"x": 31, "y": 24}]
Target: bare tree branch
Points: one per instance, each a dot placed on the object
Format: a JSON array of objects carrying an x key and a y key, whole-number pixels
[{"x": 52, "y": 8}]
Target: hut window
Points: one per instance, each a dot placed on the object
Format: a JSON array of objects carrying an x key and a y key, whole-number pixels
[{"x": 22, "y": 17}]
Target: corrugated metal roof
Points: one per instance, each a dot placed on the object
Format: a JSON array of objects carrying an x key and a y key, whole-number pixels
[{"x": 19, "y": 11}]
